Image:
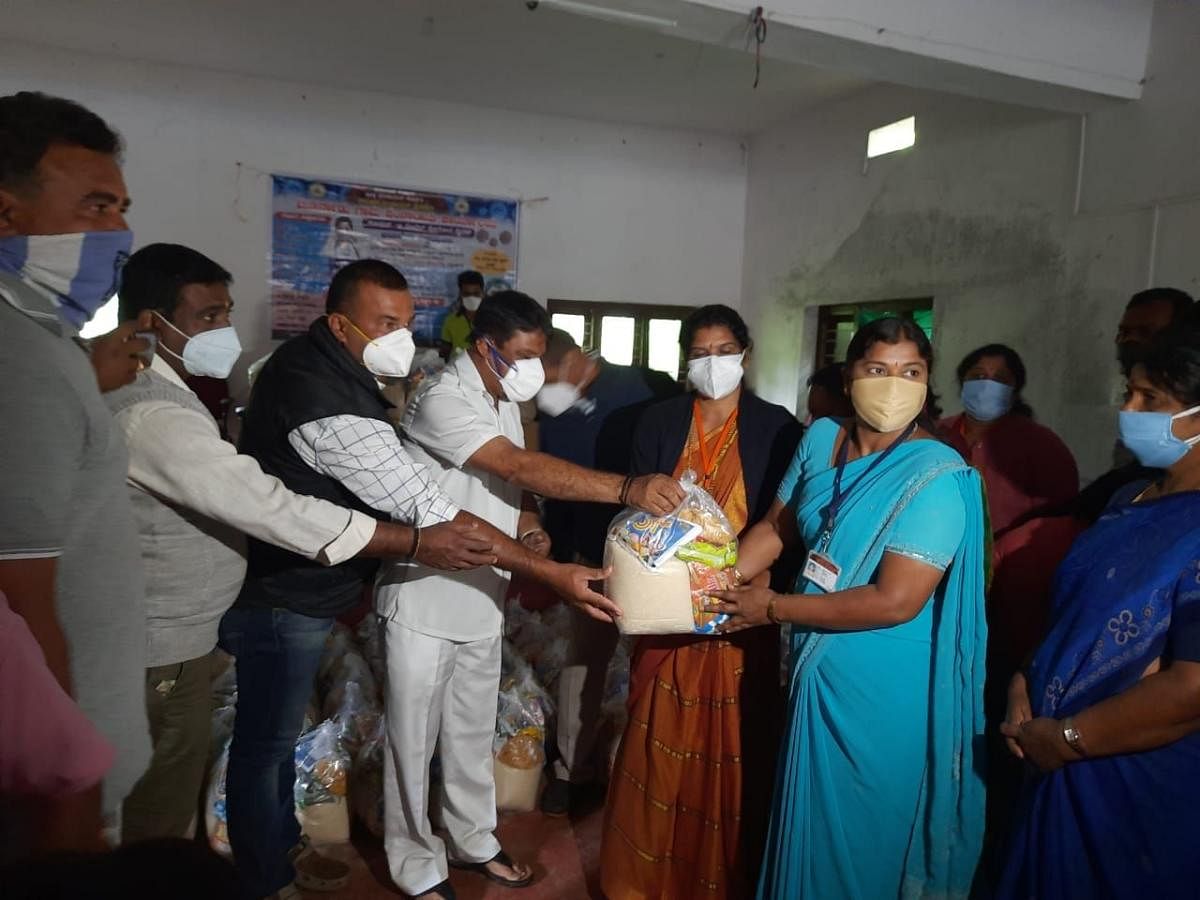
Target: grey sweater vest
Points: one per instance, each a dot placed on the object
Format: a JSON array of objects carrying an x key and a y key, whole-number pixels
[{"x": 194, "y": 565}]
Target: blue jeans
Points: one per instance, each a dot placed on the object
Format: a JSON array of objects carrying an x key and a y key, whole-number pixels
[{"x": 277, "y": 655}]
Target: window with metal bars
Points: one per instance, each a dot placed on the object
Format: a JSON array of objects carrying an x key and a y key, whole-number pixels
[{"x": 628, "y": 334}]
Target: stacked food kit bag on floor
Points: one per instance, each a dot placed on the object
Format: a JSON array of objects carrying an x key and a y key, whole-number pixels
[
  {"x": 523, "y": 709},
  {"x": 340, "y": 753}
]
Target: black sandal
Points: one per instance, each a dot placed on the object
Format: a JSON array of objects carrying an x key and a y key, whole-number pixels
[
  {"x": 482, "y": 868},
  {"x": 444, "y": 890}
]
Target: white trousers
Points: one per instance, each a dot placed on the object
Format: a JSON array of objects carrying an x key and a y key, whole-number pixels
[{"x": 439, "y": 694}]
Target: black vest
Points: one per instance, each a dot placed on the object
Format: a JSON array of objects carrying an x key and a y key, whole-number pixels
[{"x": 310, "y": 377}]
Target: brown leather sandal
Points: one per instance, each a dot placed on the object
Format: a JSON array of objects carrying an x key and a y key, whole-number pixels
[{"x": 482, "y": 868}]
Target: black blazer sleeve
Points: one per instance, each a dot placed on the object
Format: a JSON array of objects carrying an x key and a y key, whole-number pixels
[{"x": 642, "y": 458}]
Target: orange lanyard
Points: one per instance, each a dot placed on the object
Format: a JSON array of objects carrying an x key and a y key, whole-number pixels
[{"x": 708, "y": 463}]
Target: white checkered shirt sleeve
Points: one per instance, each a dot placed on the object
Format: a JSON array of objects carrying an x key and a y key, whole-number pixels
[{"x": 367, "y": 458}]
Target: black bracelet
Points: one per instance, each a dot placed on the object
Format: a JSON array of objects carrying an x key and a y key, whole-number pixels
[
  {"x": 416, "y": 543},
  {"x": 623, "y": 497}
]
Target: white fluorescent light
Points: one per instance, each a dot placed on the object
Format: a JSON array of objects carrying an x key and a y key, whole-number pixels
[
  {"x": 890, "y": 138},
  {"x": 607, "y": 14}
]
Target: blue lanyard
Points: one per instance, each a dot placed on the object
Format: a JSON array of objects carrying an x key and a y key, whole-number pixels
[{"x": 839, "y": 496}]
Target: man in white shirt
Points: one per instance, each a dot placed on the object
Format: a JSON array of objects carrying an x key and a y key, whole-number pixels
[
  {"x": 318, "y": 422},
  {"x": 194, "y": 497},
  {"x": 444, "y": 656}
]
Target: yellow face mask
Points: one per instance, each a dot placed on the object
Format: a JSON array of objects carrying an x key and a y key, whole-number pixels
[{"x": 888, "y": 404}]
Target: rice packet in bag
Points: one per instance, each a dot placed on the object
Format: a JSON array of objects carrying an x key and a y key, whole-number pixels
[{"x": 663, "y": 565}]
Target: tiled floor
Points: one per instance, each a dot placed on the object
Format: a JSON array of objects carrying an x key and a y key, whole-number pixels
[{"x": 565, "y": 855}]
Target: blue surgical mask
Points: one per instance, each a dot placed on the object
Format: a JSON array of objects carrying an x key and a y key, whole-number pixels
[
  {"x": 1150, "y": 438},
  {"x": 79, "y": 272},
  {"x": 986, "y": 400}
]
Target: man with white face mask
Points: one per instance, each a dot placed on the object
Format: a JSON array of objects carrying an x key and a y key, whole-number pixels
[
  {"x": 69, "y": 560},
  {"x": 318, "y": 422},
  {"x": 444, "y": 630},
  {"x": 194, "y": 497},
  {"x": 456, "y": 330}
]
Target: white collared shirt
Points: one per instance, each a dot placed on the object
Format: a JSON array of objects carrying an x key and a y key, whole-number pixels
[{"x": 450, "y": 418}]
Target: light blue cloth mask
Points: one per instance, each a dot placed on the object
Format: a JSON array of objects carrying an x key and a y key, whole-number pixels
[
  {"x": 986, "y": 400},
  {"x": 1149, "y": 437}
]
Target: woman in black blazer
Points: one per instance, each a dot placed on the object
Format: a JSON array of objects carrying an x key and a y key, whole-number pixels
[{"x": 690, "y": 792}]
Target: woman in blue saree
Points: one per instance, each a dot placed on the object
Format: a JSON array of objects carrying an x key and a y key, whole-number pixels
[
  {"x": 878, "y": 793},
  {"x": 1108, "y": 711}
]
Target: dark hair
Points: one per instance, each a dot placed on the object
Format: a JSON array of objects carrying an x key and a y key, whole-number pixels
[
  {"x": 1172, "y": 362},
  {"x": 370, "y": 271},
  {"x": 470, "y": 276},
  {"x": 558, "y": 344},
  {"x": 154, "y": 276},
  {"x": 889, "y": 330},
  {"x": 831, "y": 378},
  {"x": 504, "y": 313},
  {"x": 32, "y": 122},
  {"x": 1012, "y": 360},
  {"x": 709, "y": 316},
  {"x": 1181, "y": 301},
  {"x": 895, "y": 330},
  {"x": 340, "y": 219}
]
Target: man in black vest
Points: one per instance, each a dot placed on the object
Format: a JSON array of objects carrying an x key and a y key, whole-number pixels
[{"x": 318, "y": 422}]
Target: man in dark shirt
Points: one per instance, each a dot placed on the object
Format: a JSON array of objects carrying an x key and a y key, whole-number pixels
[{"x": 587, "y": 412}]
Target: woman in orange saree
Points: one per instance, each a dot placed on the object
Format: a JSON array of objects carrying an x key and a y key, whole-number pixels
[{"x": 691, "y": 786}]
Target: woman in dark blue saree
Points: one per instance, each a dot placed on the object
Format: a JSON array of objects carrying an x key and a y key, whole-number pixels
[{"x": 1108, "y": 711}]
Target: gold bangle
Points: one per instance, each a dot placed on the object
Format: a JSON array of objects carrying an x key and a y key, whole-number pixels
[
  {"x": 771, "y": 616},
  {"x": 738, "y": 578},
  {"x": 416, "y": 543}
]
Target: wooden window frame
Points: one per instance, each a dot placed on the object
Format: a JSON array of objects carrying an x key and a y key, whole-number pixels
[
  {"x": 829, "y": 316},
  {"x": 641, "y": 313}
]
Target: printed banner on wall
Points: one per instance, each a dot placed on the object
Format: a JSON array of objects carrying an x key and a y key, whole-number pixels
[{"x": 318, "y": 226}]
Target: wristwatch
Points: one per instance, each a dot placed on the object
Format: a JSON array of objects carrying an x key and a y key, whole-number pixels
[{"x": 1072, "y": 736}]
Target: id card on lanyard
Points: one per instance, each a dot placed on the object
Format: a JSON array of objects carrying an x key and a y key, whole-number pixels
[{"x": 820, "y": 567}]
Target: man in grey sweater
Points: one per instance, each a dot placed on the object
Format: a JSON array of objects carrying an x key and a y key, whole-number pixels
[{"x": 194, "y": 499}]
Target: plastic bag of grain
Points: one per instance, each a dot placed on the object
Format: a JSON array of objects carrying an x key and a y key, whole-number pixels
[
  {"x": 322, "y": 770},
  {"x": 663, "y": 566},
  {"x": 522, "y": 709}
]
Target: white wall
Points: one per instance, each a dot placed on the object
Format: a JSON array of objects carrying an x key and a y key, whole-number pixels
[
  {"x": 612, "y": 212},
  {"x": 980, "y": 215}
]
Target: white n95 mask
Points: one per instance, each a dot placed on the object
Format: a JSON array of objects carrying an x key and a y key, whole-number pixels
[
  {"x": 211, "y": 354},
  {"x": 556, "y": 398},
  {"x": 387, "y": 356},
  {"x": 716, "y": 376},
  {"x": 390, "y": 356},
  {"x": 523, "y": 379}
]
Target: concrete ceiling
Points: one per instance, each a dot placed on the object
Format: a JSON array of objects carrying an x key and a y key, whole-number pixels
[{"x": 493, "y": 53}]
